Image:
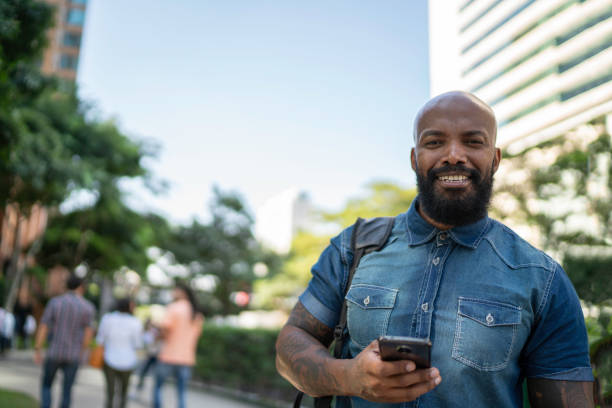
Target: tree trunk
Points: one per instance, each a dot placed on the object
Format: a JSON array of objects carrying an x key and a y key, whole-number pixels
[
  {"x": 106, "y": 295},
  {"x": 13, "y": 270}
]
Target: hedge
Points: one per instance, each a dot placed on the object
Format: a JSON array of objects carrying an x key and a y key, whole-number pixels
[{"x": 242, "y": 359}]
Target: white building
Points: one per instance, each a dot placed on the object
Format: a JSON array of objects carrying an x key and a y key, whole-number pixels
[
  {"x": 545, "y": 66},
  {"x": 281, "y": 217}
]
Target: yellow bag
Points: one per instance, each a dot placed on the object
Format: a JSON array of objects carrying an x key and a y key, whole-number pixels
[{"x": 96, "y": 357}]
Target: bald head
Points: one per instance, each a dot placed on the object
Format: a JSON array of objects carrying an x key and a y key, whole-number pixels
[{"x": 454, "y": 106}]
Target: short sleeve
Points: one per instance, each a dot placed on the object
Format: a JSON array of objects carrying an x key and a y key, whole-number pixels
[
  {"x": 138, "y": 336},
  {"x": 89, "y": 316},
  {"x": 102, "y": 330},
  {"x": 325, "y": 292},
  {"x": 48, "y": 315},
  {"x": 558, "y": 347},
  {"x": 169, "y": 316}
]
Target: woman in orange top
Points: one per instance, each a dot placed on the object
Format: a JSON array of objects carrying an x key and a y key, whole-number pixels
[{"x": 180, "y": 330}]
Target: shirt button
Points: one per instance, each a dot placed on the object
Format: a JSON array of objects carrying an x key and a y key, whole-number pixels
[
  {"x": 443, "y": 236},
  {"x": 366, "y": 301},
  {"x": 436, "y": 260},
  {"x": 425, "y": 306},
  {"x": 490, "y": 319}
]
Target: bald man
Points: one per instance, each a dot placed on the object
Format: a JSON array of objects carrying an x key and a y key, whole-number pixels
[{"x": 496, "y": 310}]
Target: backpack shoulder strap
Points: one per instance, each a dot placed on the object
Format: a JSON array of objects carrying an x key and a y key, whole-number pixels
[
  {"x": 371, "y": 234},
  {"x": 367, "y": 236}
]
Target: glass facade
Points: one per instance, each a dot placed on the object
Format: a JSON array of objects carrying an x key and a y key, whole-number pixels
[
  {"x": 68, "y": 62},
  {"x": 496, "y": 26},
  {"x": 75, "y": 17},
  {"x": 479, "y": 16},
  {"x": 518, "y": 36},
  {"x": 71, "y": 40}
]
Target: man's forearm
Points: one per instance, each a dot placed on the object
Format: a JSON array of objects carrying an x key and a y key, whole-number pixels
[
  {"x": 308, "y": 365},
  {"x": 41, "y": 335},
  {"x": 87, "y": 337}
]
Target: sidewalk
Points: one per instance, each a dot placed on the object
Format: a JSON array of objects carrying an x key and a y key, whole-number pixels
[{"x": 18, "y": 372}]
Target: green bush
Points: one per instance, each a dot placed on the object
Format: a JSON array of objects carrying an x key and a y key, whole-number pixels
[{"x": 241, "y": 359}]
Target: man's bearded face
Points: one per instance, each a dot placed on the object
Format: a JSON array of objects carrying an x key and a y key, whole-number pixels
[{"x": 455, "y": 208}]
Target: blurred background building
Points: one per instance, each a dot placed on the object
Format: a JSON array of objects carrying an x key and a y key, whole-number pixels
[
  {"x": 544, "y": 66},
  {"x": 281, "y": 217},
  {"x": 61, "y": 58}
]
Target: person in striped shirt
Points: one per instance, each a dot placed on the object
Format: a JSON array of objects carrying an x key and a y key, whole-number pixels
[{"x": 67, "y": 325}]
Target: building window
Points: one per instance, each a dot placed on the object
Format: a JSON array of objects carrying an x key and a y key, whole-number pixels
[
  {"x": 69, "y": 62},
  {"x": 72, "y": 40},
  {"x": 75, "y": 17}
]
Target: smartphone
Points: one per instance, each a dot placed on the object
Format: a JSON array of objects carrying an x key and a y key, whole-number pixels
[{"x": 405, "y": 348}]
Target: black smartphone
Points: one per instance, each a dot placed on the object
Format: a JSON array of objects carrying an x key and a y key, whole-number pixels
[{"x": 405, "y": 348}]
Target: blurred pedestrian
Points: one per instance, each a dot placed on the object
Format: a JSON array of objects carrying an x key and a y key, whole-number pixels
[
  {"x": 22, "y": 309},
  {"x": 7, "y": 328},
  {"x": 180, "y": 330},
  {"x": 151, "y": 340},
  {"x": 121, "y": 335},
  {"x": 67, "y": 322}
]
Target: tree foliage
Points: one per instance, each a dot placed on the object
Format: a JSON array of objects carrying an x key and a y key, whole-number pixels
[
  {"x": 221, "y": 252},
  {"x": 52, "y": 145}
]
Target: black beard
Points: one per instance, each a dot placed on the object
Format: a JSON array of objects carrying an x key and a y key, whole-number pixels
[{"x": 464, "y": 210}]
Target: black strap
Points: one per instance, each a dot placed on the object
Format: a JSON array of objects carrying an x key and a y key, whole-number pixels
[{"x": 368, "y": 236}]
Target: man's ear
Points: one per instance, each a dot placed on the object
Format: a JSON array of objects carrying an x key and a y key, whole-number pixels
[
  {"x": 413, "y": 159},
  {"x": 496, "y": 159}
]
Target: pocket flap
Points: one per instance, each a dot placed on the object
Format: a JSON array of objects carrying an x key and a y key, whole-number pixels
[
  {"x": 371, "y": 297},
  {"x": 489, "y": 313}
]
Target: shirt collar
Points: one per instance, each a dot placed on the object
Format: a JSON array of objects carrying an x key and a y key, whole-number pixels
[{"x": 420, "y": 231}]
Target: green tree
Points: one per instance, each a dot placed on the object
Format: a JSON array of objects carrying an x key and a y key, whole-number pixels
[
  {"x": 50, "y": 143},
  {"x": 222, "y": 252}
]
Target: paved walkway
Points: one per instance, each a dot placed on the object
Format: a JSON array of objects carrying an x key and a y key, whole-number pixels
[{"x": 18, "y": 372}]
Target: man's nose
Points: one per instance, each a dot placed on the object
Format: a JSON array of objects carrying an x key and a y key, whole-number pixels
[{"x": 455, "y": 153}]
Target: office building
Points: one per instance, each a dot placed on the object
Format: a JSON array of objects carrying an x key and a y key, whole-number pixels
[
  {"x": 61, "y": 58},
  {"x": 281, "y": 217},
  {"x": 545, "y": 66}
]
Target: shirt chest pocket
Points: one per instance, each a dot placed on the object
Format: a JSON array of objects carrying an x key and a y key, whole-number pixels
[
  {"x": 485, "y": 333},
  {"x": 368, "y": 310}
]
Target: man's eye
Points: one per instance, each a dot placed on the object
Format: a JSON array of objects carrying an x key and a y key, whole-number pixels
[
  {"x": 432, "y": 143},
  {"x": 476, "y": 141}
]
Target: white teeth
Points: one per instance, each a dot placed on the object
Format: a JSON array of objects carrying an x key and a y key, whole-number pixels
[{"x": 452, "y": 178}]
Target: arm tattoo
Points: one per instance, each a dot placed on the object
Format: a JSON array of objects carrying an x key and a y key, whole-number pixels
[
  {"x": 302, "y": 353},
  {"x": 544, "y": 393},
  {"x": 301, "y": 318}
]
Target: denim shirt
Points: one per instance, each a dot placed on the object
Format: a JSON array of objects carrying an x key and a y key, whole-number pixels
[{"x": 496, "y": 309}]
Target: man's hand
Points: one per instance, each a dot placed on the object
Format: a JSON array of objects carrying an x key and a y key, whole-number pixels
[
  {"x": 41, "y": 336},
  {"x": 38, "y": 357},
  {"x": 303, "y": 359},
  {"x": 389, "y": 381}
]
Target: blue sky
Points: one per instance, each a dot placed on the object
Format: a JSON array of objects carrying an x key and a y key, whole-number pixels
[{"x": 260, "y": 96}]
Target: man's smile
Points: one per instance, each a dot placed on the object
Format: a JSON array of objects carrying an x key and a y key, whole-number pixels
[{"x": 453, "y": 180}]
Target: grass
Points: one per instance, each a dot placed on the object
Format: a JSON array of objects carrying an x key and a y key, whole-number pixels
[{"x": 14, "y": 399}]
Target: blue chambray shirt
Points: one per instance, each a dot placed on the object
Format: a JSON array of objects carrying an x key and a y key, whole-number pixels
[{"x": 496, "y": 309}]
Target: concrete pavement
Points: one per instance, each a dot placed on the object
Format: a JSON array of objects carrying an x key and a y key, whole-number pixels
[{"x": 18, "y": 372}]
